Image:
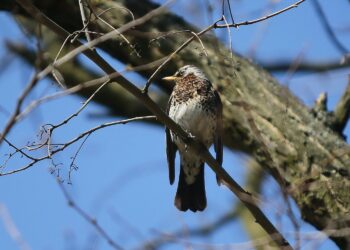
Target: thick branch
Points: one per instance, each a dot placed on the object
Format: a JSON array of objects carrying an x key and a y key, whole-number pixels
[
  {"x": 305, "y": 66},
  {"x": 342, "y": 110}
]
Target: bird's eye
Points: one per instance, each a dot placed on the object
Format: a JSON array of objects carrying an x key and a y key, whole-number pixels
[{"x": 180, "y": 73}]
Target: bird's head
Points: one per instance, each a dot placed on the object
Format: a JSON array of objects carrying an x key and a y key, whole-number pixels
[{"x": 186, "y": 71}]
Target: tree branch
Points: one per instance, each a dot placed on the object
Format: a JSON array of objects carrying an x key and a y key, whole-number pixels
[
  {"x": 342, "y": 110},
  {"x": 236, "y": 25},
  {"x": 12, "y": 121},
  {"x": 329, "y": 31},
  {"x": 63, "y": 146},
  {"x": 305, "y": 66},
  {"x": 88, "y": 218}
]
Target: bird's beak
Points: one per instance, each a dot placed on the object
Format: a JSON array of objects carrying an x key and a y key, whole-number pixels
[{"x": 169, "y": 78}]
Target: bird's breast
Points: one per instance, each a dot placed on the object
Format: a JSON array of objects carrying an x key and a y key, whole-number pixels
[{"x": 193, "y": 117}]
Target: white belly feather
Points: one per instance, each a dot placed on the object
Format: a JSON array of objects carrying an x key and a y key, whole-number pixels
[{"x": 192, "y": 118}]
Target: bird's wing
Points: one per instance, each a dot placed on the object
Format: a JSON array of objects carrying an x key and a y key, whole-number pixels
[
  {"x": 171, "y": 149},
  {"x": 218, "y": 135}
]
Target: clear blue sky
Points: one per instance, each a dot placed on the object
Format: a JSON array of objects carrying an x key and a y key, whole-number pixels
[{"x": 122, "y": 176}]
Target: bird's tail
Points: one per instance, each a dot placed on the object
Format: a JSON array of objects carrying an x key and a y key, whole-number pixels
[{"x": 191, "y": 196}]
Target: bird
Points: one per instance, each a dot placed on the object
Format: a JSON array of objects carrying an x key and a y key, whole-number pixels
[{"x": 196, "y": 106}]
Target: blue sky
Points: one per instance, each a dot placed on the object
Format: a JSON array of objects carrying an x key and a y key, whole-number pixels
[{"x": 122, "y": 176}]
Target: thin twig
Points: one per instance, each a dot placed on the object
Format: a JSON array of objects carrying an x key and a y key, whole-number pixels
[
  {"x": 98, "y": 16},
  {"x": 260, "y": 243},
  {"x": 67, "y": 144},
  {"x": 204, "y": 230},
  {"x": 236, "y": 25},
  {"x": 126, "y": 225},
  {"x": 84, "y": 19},
  {"x": 118, "y": 7},
  {"x": 12, "y": 230},
  {"x": 12, "y": 121},
  {"x": 181, "y": 31},
  {"x": 59, "y": 94},
  {"x": 72, "y": 165},
  {"x": 229, "y": 8},
  {"x": 19, "y": 150},
  {"x": 329, "y": 31},
  {"x": 293, "y": 67},
  {"x": 229, "y": 36},
  {"x": 75, "y": 114},
  {"x": 184, "y": 45},
  {"x": 87, "y": 217}
]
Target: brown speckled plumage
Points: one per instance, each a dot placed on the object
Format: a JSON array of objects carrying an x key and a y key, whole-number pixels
[
  {"x": 196, "y": 107},
  {"x": 190, "y": 87}
]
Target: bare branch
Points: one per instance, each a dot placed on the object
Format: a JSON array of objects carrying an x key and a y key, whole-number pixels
[
  {"x": 12, "y": 121},
  {"x": 236, "y": 25},
  {"x": 98, "y": 16},
  {"x": 342, "y": 110},
  {"x": 329, "y": 31},
  {"x": 87, "y": 217},
  {"x": 305, "y": 66},
  {"x": 12, "y": 230},
  {"x": 19, "y": 150},
  {"x": 84, "y": 19},
  {"x": 59, "y": 94},
  {"x": 229, "y": 35},
  {"x": 67, "y": 144},
  {"x": 184, "y": 45},
  {"x": 72, "y": 165},
  {"x": 65, "y": 121},
  {"x": 205, "y": 230}
]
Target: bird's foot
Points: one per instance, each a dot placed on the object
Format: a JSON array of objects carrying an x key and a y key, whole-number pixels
[{"x": 191, "y": 136}]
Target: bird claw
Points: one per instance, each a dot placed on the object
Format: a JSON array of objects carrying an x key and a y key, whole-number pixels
[{"x": 192, "y": 137}]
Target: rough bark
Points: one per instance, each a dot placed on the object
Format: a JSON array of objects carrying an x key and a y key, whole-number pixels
[{"x": 309, "y": 160}]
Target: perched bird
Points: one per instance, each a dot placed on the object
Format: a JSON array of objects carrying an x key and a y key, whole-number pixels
[{"x": 196, "y": 106}]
